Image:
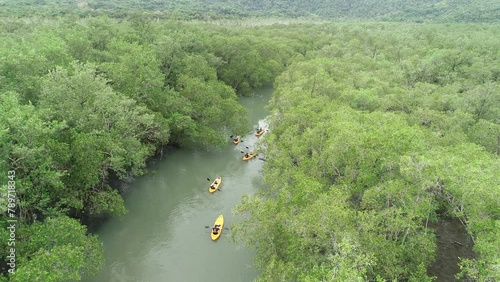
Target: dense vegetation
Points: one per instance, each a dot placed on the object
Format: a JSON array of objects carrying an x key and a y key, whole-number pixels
[
  {"x": 83, "y": 104},
  {"x": 382, "y": 131},
  {"x": 393, "y": 10},
  {"x": 377, "y": 129}
]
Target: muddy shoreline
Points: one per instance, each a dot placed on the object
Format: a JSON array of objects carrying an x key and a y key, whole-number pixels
[{"x": 453, "y": 242}]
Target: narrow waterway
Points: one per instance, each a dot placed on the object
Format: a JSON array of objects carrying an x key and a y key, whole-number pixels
[{"x": 163, "y": 237}]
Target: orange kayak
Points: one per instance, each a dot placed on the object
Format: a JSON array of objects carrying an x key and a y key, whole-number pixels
[
  {"x": 236, "y": 140},
  {"x": 260, "y": 132},
  {"x": 249, "y": 156}
]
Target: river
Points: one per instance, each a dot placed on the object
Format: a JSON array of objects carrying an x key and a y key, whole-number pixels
[{"x": 163, "y": 236}]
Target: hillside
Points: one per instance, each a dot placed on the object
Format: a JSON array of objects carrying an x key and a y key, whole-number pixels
[{"x": 388, "y": 10}]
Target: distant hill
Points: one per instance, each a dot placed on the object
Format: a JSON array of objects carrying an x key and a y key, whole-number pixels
[{"x": 390, "y": 10}]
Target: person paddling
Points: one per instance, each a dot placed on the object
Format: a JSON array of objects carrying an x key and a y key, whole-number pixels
[{"x": 216, "y": 229}]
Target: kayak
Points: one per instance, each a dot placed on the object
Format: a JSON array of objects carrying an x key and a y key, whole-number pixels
[
  {"x": 216, "y": 183},
  {"x": 259, "y": 133},
  {"x": 220, "y": 222},
  {"x": 250, "y": 156},
  {"x": 236, "y": 140}
]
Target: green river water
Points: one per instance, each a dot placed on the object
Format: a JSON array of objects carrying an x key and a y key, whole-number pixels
[{"x": 163, "y": 237}]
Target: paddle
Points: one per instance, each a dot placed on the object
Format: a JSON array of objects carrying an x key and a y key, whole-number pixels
[
  {"x": 225, "y": 228},
  {"x": 262, "y": 159},
  {"x": 247, "y": 149}
]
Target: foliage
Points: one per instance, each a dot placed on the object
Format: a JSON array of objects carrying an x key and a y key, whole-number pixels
[
  {"x": 57, "y": 250},
  {"x": 394, "y": 10},
  {"x": 84, "y": 104},
  {"x": 370, "y": 141},
  {"x": 34, "y": 153},
  {"x": 377, "y": 129}
]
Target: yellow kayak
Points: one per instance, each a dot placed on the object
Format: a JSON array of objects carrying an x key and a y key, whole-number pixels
[
  {"x": 219, "y": 223},
  {"x": 236, "y": 140},
  {"x": 215, "y": 185},
  {"x": 249, "y": 156},
  {"x": 260, "y": 132}
]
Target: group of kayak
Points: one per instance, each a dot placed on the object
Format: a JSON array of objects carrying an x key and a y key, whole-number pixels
[
  {"x": 219, "y": 222},
  {"x": 250, "y": 155}
]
